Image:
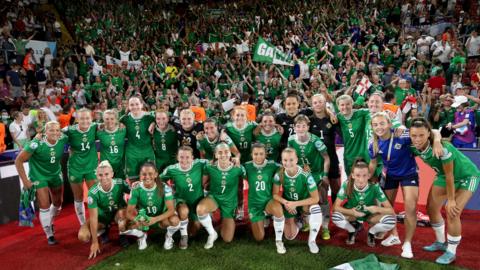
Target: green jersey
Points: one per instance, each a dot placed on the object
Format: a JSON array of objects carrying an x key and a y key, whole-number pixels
[
  {"x": 271, "y": 142},
  {"x": 208, "y": 147},
  {"x": 139, "y": 139},
  {"x": 45, "y": 158},
  {"x": 242, "y": 138},
  {"x": 83, "y": 155},
  {"x": 463, "y": 167},
  {"x": 296, "y": 187},
  {"x": 310, "y": 153},
  {"x": 224, "y": 182},
  {"x": 359, "y": 199},
  {"x": 188, "y": 183},
  {"x": 112, "y": 146},
  {"x": 108, "y": 201},
  {"x": 165, "y": 145},
  {"x": 150, "y": 199},
  {"x": 355, "y": 136},
  {"x": 260, "y": 181}
]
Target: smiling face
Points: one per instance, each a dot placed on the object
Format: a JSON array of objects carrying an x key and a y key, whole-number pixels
[
  {"x": 222, "y": 153},
  {"x": 52, "y": 131},
  {"x": 148, "y": 174},
  {"x": 318, "y": 103},
  {"x": 345, "y": 107},
  {"x": 210, "y": 129},
  {"x": 419, "y": 136},
  {"x": 259, "y": 155},
  {"x": 240, "y": 117},
  {"x": 291, "y": 106},
  {"x": 381, "y": 126},
  {"x": 135, "y": 105},
  {"x": 301, "y": 128},
  {"x": 289, "y": 160},
  {"x": 360, "y": 177},
  {"x": 187, "y": 119},
  {"x": 84, "y": 119},
  {"x": 375, "y": 104},
  {"x": 110, "y": 120},
  {"x": 161, "y": 119},
  {"x": 185, "y": 158},
  {"x": 105, "y": 176},
  {"x": 268, "y": 123}
]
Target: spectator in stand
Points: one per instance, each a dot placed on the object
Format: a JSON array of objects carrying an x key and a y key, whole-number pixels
[
  {"x": 473, "y": 45},
  {"x": 438, "y": 81},
  {"x": 3, "y": 146},
  {"x": 463, "y": 126},
  {"x": 19, "y": 131},
  {"x": 14, "y": 82}
]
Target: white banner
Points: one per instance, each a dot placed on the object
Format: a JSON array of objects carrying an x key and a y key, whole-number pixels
[{"x": 39, "y": 48}]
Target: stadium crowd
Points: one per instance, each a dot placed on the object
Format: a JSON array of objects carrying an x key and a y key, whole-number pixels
[{"x": 150, "y": 68}]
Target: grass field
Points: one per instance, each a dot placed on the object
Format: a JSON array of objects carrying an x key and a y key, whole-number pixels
[{"x": 243, "y": 253}]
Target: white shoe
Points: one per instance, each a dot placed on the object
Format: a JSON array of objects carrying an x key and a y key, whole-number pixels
[
  {"x": 280, "y": 247},
  {"x": 391, "y": 241},
  {"x": 211, "y": 239},
  {"x": 168, "y": 243},
  {"x": 407, "y": 251},
  {"x": 142, "y": 242},
  {"x": 313, "y": 247}
]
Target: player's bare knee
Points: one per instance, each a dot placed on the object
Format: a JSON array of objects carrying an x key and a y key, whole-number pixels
[
  {"x": 183, "y": 212},
  {"x": 201, "y": 210},
  {"x": 174, "y": 221}
]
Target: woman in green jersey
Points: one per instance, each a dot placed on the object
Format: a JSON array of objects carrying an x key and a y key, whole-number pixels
[
  {"x": 259, "y": 174},
  {"x": 299, "y": 196},
  {"x": 44, "y": 156},
  {"x": 222, "y": 179},
  {"x": 186, "y": 179},
  {"x": 139, "y": 146},
  {"x": 269, "y": 134},
  {"x": 155, "y": 200},
  {"x": 165, "y": 143},
  {"x": 241, "y": 132},
  {"x": 112, "y": 143},
  {"x": 210, "y": 137},
  {"x": 357, "y": 202},
  {"x": 106, "y": 203},
  {"x": 456, "y": 181},
  {"x": 83, "y": 158}
]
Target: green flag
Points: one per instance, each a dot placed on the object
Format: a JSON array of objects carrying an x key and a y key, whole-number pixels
[
  {"x": 267, "y": 53},
  {"x": 368, "y": 263}
]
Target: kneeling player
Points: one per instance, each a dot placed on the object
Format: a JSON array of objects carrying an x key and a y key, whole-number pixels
[
  {"x": 187, "y": 181},
  {"x": 361, "y": 205},
  {"x": 156, "y": 199},
  {"x": 300, "y": 195},
  {"x": 223, "y": 179},
  {"x": 260, "y": 172},
  {"x": 105, "y": 204}
]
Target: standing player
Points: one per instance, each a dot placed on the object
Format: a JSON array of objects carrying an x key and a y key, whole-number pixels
[
  {"x": 357, "y": 202},
  {"x": 260, "y": 173},
  {"x": 139, "y": 146},
  {"x": 112, "y": 143},
  {"x": 186, "y": 177},
  {"x": 83, "y": 158},
  {"x": 156, "y": 199},
  {"x": 210, "y": 137},
  {"x": 269, "y": 135},
  {"x": 300, "y": 195},
  {"x": 286, "y": 119},
  {"x": 44, "y": 156},
  {"x": 241, "y": 132},
  {"x": 353, "y": 125},
  {"x": 323, "y": 127},
  {"x": 187, "y": 130},
  {"x": 456, "y": 181},
  {"x": 105, "y": 204},
  {"x": 165, "y": 143},
  {"x": 222, "y": 179}
]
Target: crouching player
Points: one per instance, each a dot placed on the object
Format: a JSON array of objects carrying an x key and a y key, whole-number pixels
[
  {"x": 155, "y": 199},
  {"x": 361, "y": 205},
  {"x": 260, "y": 173},
  {"x": 186, "y": 177},
  {"x": 105, "y": 204},
  {"x": 300, "y": 196}
]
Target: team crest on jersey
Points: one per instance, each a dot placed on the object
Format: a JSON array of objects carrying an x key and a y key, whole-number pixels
[
  {"x": 90, "y": 200},
  {"x": 224, "y": 182},
  {"x": 194, "y": 133},
  {"x": 34, "y": 145},
  {"x": 242, "y": 139},
  {"x": 189, "y": 180},
  {"x": 137, "y": 127},
  {"x": 84, "y": 139},
  {"x": 72, "y": 178},
  {"x": 112, "y": 143},
  {"x": 398, "y": 146},
  {"x": 150, "y": 203},
  {"x": 52, "y": 153},
  {"x": 259, "y": 177},
  {"x": 111, "y": 202},
  {"x": 292, "y": 189},
  {"x": 329, "y": 125},
  {"x": 349, "y": 125}
]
